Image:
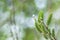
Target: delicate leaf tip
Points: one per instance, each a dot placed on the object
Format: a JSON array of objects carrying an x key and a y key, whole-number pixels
[
  {"x": 53, "y": 33},
  {"x": 37, "y": 26},
  {"x": 49, "y": 19},
  {"x": 40, "y": 15}
]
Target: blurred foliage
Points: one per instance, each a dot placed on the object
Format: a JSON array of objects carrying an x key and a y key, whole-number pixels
[
  {"x": 28, "y": 7},
  {"x": 30, "y": 34},
  {"x": 52, "y": 5},
  {"x": 2, "y": 36}
]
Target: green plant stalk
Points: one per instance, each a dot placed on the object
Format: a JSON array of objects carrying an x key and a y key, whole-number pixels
[
  {"x": 44, "y": 27},
  {"x": 12, "y": 18},
  {"x": 49, "y": 33}
]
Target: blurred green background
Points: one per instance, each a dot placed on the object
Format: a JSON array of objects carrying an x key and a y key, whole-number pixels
[{"x": 17, "y": 18}]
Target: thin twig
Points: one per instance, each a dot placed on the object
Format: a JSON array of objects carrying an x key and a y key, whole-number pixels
[{"x": 52, "y": 38}]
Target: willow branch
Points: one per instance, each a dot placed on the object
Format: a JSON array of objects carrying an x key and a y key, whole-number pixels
[{"x": 49, "y": 33}]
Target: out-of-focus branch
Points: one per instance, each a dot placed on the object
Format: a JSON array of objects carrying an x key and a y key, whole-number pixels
[{"x": 5, "y": 21}]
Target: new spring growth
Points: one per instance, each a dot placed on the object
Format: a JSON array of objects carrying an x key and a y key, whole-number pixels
[{"x": 42, "y": 28}]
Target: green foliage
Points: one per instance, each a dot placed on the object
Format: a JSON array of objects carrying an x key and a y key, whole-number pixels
[
  {"x": 52, "y": 5},
  {"x": 45, "y": 36},
  {"x": 49, "y": 19},
  {"x": 27, "y": 6},
  {"x": 29, "y": 9},
  {"x": 30, "y": 34},
  {"x": 37, "y": 26},
  {"x": 43, "y": 28},
  {"x": 2, "y": 36},
  {"x": 53, "y": 33},
  {"x": 40, "y": 15},
  {"x": 4, "y": 5}
]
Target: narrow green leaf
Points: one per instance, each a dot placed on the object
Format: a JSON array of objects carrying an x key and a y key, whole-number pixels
[
  {"x": 40, "y": 15},
  {"x": 49, "y": 19},
  {"x": 53, "y": 33},
  {"x": 43, "y": 28},
  {"x": 45, "y": 36},
  {"x": 37, "y": 26}
]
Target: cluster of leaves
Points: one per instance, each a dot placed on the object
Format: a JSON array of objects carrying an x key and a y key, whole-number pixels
[{"x": 43, "y": 28}]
